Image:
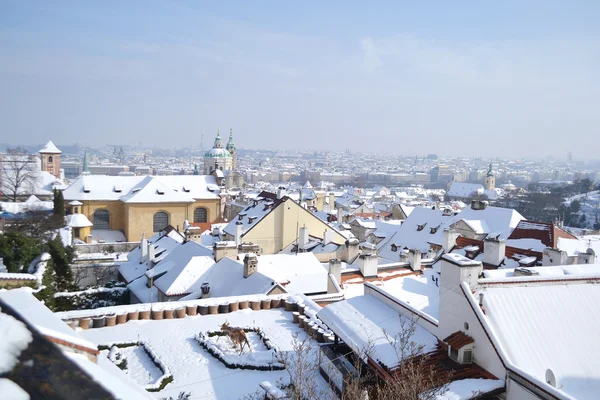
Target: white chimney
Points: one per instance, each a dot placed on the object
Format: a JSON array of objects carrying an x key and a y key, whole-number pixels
[
  {"x": 449, "y": 237},
  {"x": 328, "y": 236},
  {"x": 151, "y": 255},
  {"x": 331, "y": 202},
  {"x": 493, "y": 251},
  {"x": 144, "y": 249},
  {"x": 456, "y": 269},
  {"x": 335, "y": 269},
  {"x": 281, "y": 192},
  {"x": 554, "y": 257},
  {"x": 368, "y": 265},
  {"x": 414, "y": 259},
  {"x": 339, "y": 215},
  {"x": 239, "y": 228},
  {"x": 302, "y": 239}
]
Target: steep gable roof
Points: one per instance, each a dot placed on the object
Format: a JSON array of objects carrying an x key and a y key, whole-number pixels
[{"x": 548, "y": 233}]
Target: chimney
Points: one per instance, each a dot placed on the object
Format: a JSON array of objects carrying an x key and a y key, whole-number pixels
[
  {"x": 414, "y": 259},
  {"x": 239, "y": 228},
  {"x": 302, "y": 239},
  {"x": 335, "y": 269},
  {"x": 280, "y": 192},
  {"x": 224, "y": 249},
  {"x": 215, "y": 230},
  {"x": 554, "y": 257},
  {"x": 340, "y": 215},
  {"x": 144, "y": 249},
  {"x": 205, "y": 287},
  {"x": 349, "y": 251},
  {"x": 493, "y": 251},
  {"x": 250, "y": 264},
  {"x": 368, "y": 265},
  {"x": 478, "y": 204},
  {"x": 328, "y": 236},
  {"x": 151, "y": 255},
  {"x": 449, "y": 237},
  {"x": 331, "y": 202},
  {"x": 456, "y": 269}
]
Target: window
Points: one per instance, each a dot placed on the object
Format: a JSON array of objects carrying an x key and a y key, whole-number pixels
[
  {"x": 200, "y": 215},
  {"x": 101, "y": 219},
  {"x": 50, "y": 159},
  {"x": 454, "y": 353},
  {"x": 76, "y": 232},
  {"x": 161, "y": 221}
]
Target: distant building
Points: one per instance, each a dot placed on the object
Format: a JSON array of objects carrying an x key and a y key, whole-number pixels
[
  {"x": 222, "y": 162},
  {"x": 50, "y": 156}
]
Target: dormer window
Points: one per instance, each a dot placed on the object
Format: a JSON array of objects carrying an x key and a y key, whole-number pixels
[
  {"x": 421, "y": 227},
  {"x": 460, "y": 347},
  {"x": 160, "y": 192},
  {"x": 86, "y": 189},
  {"x": 186, "y": 189},
  {"x": 241, "y": 216},
  {"x": 394, "y": 248},
  {"x": 118, "y": 189},
  {"x": 434, "y": 230},
  {"x": 251, "y": 219}
]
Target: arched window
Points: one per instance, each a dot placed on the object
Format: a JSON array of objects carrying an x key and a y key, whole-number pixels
[
  {"x": 200, "y": 215},
  {"x": 101, "y": 219},
  {"x": 161, "y": 221},
  {"x": 49, "y": 159}
]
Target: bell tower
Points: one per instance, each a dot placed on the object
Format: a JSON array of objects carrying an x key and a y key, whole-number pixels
[
  {"x": 50, "y": 156},
  {"x": 490, "y": 179}
]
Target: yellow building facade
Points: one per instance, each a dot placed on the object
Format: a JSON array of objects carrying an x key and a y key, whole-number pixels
[{"x": 139, "y": 206}]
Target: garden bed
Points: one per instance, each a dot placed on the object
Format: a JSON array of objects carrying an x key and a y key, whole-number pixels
[
  {"x": 141, "y": 363},
  {"x": 261, "y": 355}
]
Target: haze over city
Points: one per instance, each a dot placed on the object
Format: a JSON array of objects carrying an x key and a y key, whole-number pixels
[{"x": 453, "y": 78}]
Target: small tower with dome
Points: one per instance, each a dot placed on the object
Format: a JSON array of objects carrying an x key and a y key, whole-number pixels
[{"x": 490, "y": 179}]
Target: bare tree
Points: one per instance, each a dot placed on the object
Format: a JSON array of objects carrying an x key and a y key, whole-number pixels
[
  {"x": 413, "y": 378},
  {"x": 18, "y": 173}
]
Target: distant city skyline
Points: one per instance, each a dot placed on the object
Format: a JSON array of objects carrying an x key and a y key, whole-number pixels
[{"x": 464, "y": 79}]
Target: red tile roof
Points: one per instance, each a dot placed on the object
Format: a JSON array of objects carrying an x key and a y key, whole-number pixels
[
  {"x": 545, "y": 232},
  {"x": 458, "y": 340}
]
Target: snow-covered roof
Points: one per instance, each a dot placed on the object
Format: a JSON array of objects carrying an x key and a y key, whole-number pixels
[
  {"x": 78, "y": 221},
  {"x": 50, "y": 148},
  {"x": 163, "y": 243},
  {"x": 251, "y": 215},
  {"x": 183, "y": 266},
  {"x": 560, "y": 271},
  {"x": 41, "y": 317},
  {"x": 466, "y": 389},
  {"x": 143, "y": 189},
  {"x": 301, "y": 273},
  {"x": 361, "y": 321},
  {"x": 550, "y": 327}
]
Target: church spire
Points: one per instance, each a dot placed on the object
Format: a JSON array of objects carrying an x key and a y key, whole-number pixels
[
  {"x": 218, "y": 144},
  {"x": 230, "y": 144},
  {"x": 490, "y": 172},
  {"x": 85, "y": 161}
]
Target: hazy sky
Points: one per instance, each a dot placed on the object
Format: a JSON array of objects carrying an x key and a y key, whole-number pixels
[{"x": 501, "y": 78}]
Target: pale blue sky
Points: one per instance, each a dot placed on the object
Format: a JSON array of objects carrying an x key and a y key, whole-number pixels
[{"x": 408, "y": 77}]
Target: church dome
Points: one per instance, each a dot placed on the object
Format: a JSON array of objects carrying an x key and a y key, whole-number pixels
[{"x": 217, "y": 153}]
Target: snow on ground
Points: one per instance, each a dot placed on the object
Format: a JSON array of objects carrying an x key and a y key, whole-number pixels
[
  {"x": 140, "y": 367},
  {"x": 194, "y": 369}
]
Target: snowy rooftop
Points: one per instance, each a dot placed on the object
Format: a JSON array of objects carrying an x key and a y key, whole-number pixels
[
  {"x": 50, "y": 148},
  {"x": 361, "y": 321},
  {"x": 562, "y": 271},
  {"x": 41, "y": 317},
  {"x": 144, "y": 189},
  {"x": 550, "y": 327}
]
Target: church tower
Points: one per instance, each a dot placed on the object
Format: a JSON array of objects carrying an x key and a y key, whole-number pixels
[
  {"x": 217, "y": 158},
  {"x": 50, "y": 156},
  {"x": 490, "y": 179},
  {"x": 231, "y": 149}
]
